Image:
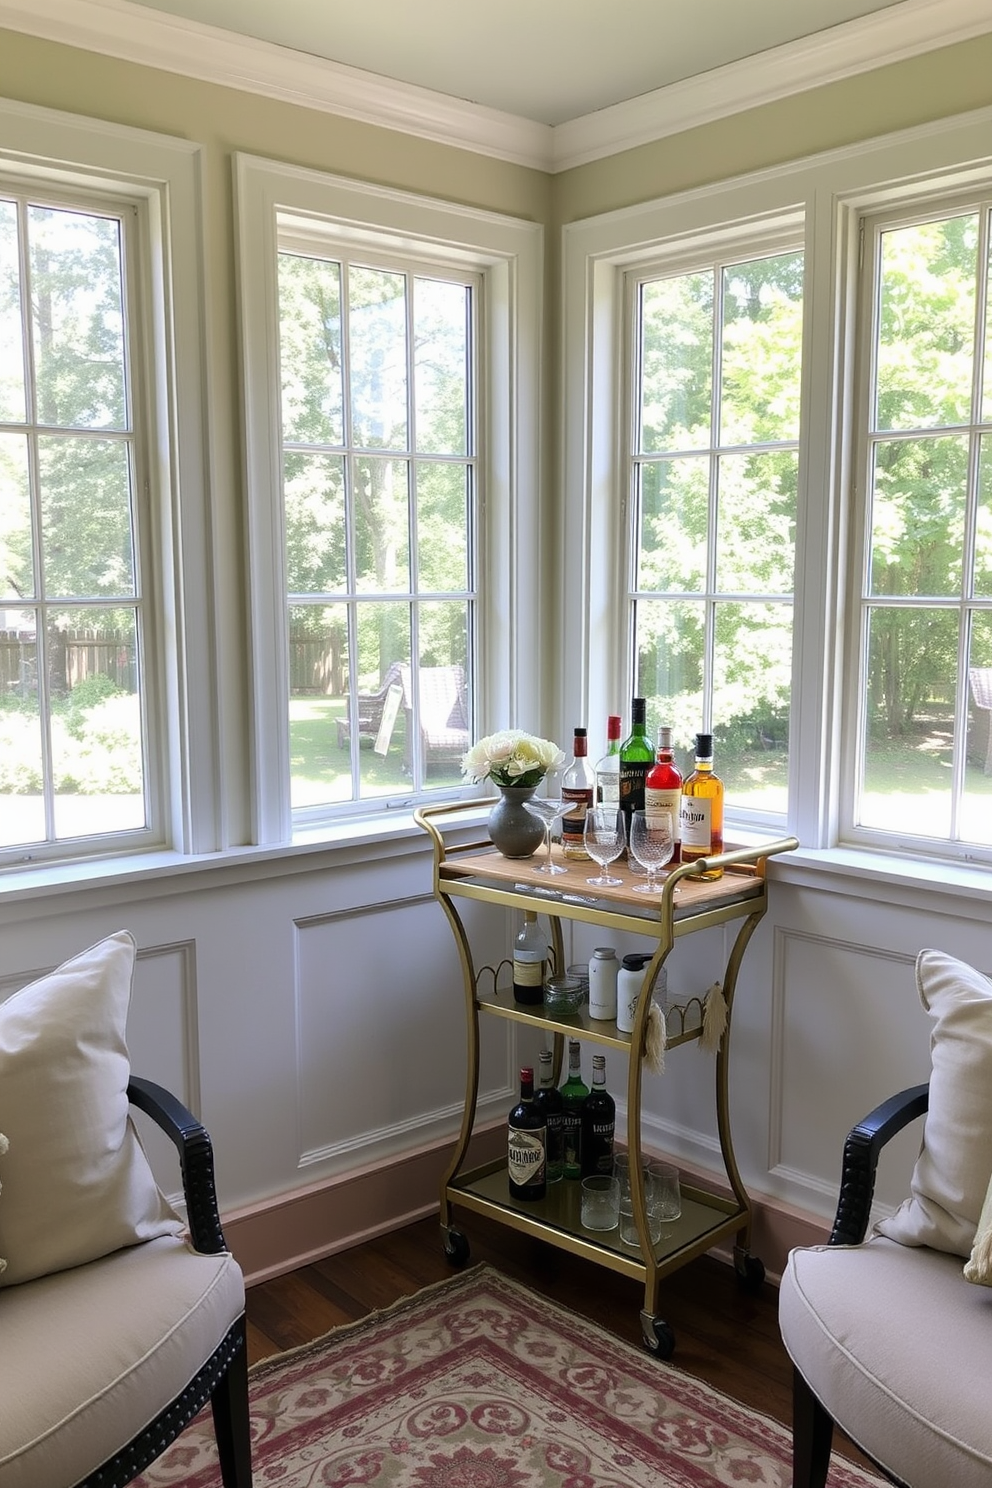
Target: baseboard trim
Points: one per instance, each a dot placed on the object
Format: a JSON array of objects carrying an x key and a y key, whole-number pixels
[{"x": 296, "y": 1229}]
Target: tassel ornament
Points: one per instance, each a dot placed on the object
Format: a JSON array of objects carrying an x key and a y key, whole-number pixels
[
  {"x": 714, "y": 1019},
  {"x": 655, "y": 1040}
]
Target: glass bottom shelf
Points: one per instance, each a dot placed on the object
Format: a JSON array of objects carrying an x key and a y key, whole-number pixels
[{"x": 706, "y": 1219}]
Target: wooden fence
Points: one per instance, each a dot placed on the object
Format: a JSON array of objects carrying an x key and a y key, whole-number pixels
[{"x": 74, "y": 655}]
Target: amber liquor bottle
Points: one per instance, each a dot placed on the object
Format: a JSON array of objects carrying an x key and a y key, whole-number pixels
[
  {"x": 701, "y": 814},
  {"x": 527, "y": 1168}
]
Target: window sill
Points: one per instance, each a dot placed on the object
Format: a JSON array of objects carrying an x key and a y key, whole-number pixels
[{"x": 893, "y": 879}]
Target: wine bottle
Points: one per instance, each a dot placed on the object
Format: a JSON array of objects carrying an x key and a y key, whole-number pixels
[
  {"x": 578, "y": 788},
  {"x": 701, "y": 814},
  {"x": 663, "y": 787},
  {"x": 530, "y": 957},
  {"x": 573, "y": 1094},
  {"x": 548, "y": 1101},
  {"x": 636, "y": 759},
  {"x": 598, "y": 1123},
  {"x": 526, "y": 1144},
  {"x": 607, "y": 770}
]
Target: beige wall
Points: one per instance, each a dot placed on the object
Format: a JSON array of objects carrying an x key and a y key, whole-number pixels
[{"x": 935, "y": 86}]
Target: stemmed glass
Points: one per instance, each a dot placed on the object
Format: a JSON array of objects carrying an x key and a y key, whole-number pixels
[
  {"x": 604, "y": 837},
  {"x": 546, "y": 803},
  {"x": 652, "y": 844}
]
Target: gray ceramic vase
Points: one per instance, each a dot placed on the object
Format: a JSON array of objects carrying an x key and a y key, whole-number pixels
[{"x": 514, "y": 831}]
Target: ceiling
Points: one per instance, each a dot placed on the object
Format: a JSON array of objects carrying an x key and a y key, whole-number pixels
[{"x": 549, "y": 61}]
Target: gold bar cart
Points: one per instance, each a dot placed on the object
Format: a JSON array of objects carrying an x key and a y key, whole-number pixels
[{"x": 473, "y": 870}]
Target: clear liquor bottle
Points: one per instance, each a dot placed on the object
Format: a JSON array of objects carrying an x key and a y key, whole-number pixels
[
  {"x": 573, "y": 1094},
  {"x": 526, "y": 1144},
  {"x": 702, "y": 809},
  {"x": 578, "y": 788},
  {"x": 607, "y": 769},
  {"x": 663, "y": 788},
  {"x": 548, "y": 1101},
  {"x": 599, "y": 1119}
]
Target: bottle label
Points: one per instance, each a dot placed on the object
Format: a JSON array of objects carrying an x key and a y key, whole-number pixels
[
  {"x": 694, "y": 819},
  {"x": 571, "y": 1143},
  {"x": 528, "y": 969},
  {"x": 526, "y": 1157},
  {"x": 577, "y": 801},
  {"x": 632, "y": 776},
  {"x": 656, "y": 801},
  {"x": 608, "y": 787}
]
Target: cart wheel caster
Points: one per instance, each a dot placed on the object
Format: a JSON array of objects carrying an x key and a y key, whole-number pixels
[
  {"x": 750, "y": 1273},
  {"x": 659, "y": 1338},
  {"x": 456, "y": 1247}
]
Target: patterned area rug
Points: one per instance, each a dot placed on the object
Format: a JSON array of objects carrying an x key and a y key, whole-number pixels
[{"x": 479, "y": 1383}]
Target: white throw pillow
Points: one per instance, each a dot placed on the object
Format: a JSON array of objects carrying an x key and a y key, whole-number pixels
[
  {"x": 76, "y": 1182},
  {"x": 952, "y": 1172}
]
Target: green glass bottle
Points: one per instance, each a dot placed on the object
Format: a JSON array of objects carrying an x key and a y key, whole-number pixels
[
  {"x": 636, "y": 759},
  {"x": 573, "y": 1095}
]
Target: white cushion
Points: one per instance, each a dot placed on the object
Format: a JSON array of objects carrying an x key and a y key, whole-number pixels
[
  {"x": 76, "y": 1182},
  {"x": 91, "y": 1356},
  {"x": 952, "y": 1171},
  {"x": 898, "y": 1349}
]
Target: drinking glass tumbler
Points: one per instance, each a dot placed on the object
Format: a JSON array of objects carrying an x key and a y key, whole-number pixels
[{"x": 600, "y": 1204}]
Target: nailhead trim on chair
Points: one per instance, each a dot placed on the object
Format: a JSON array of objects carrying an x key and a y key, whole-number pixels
[{"x": 160, "y": 1433}]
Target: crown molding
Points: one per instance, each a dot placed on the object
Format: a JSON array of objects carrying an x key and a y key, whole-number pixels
[
  {"x": 907, "y": 29},
  {"x": 152, "y": 38}
]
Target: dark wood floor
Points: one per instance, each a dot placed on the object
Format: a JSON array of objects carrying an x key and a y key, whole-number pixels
[{"x": 723, "y": 1335}]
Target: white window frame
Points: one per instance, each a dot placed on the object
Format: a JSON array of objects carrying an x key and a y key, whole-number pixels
[
  {"x": 508, "y": 253},
  {"x": 160, "y": 178},
  {"x": 828, "y": 193}
]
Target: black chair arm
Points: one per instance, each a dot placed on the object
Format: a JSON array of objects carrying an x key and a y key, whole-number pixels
[
  {"x": 196, "y": 1160},
  {"x": 862, "y": 1150}
]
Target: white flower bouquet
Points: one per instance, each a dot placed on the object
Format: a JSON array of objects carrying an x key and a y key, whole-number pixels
[{"x": 511, "y": 757}]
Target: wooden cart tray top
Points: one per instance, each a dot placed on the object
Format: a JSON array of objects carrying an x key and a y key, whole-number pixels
[{"x": 691, "y": 894}]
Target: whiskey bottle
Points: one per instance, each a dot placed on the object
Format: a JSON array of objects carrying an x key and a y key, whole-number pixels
[
  {"x": 578, "y": 790},
  {"x": 526, "y": 1144},
  {"x": 663, "y": 787},
  {"x": 573, "y": 1094},
  {"x": 701, "y": 812},
  {"x": 548, "y": 1101},
  {"x": 599, "y": 1118}
]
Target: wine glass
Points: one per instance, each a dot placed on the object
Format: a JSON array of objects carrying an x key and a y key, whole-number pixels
[
  {"x": 652, "y": 843},
  {"x": 604, "y": 837},
  {"x": 546, "y": 803}
]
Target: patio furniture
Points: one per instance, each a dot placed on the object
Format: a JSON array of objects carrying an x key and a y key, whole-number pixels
[
  {"x": 980, "y": 679},
  {"x": 442, "y": 711}
]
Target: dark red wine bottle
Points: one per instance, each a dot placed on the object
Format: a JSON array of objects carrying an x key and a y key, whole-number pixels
[{"x": 527, "y": 1153}]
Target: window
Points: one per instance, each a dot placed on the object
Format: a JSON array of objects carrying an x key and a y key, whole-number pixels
[
  {"x": 391, "y": 352},
  {"x": 71, "y": 629},
  {"x": 713, "y": 480},
  {"x": 378, "y": 376},
  {"x": 924, "y": 758}
]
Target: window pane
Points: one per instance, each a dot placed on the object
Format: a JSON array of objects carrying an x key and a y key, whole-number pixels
[
  {"x": 443, "y": 712},
  {"x": 78, "y": 319},
  {"x": 983, "y": 522},
  {"x": 319, "y": 718},
  {"x": 676, "y": 363},
  {"x": 909, "y": 722},
  {"x": 752, "y": 683},
  {"x": 382, "y": 532},
  {"x": 918, "y": 514},
  {"x": 16, "y": 558},
  {"x": 86, "y": 517},
  {"x": 762, "y": 350},
  {"x": 671, "y": 642},
  {"x": 442, "y": 527},
  {"x": 384, "y": 671},
  {"x": 976, "y": 815},
  {"x": 377, "y": 340},
  {"x": 12, "y": 398},
  {"x": 757, "y": 524},
  {"x": 313, "y": 492},
  {"x": 674, "y": 502},
  {"x": 22, "y": 771},
  {"x": 96, "y": 722},
  {"x": 927, "y": 296},
  {"x": 310, "y": 350},
  {"x": 440, "y": 366}
]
